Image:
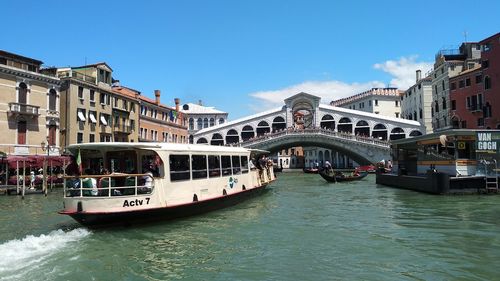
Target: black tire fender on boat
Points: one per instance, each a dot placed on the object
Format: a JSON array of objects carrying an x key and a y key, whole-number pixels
[
  {"x": 195, "y": 198},
  {"x": 224, "y": 192}
]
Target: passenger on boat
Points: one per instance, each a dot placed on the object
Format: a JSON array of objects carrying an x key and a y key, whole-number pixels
[
  {"x": 252, "y": 164},
  {"x": 148, "y": 181},
  {"x": 93, "y": 181}
]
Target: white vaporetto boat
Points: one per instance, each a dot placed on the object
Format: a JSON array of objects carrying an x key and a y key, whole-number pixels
[{"x": 123, "y": 183}]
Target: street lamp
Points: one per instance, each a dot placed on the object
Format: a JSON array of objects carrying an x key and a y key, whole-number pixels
[{"x": 46, "y": 147}]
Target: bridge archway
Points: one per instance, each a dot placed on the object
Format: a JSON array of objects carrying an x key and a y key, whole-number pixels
[
  {"x": 379, "y": 132},
  {"x": 202, "y": 141},
  {"x": 303, "y": 114},
  {"x": 263, "y": 128},
  {"x": 232, "y": 137},
  {"x": 362, "y": 128},
  {"x": 345, "y": 125},
  {"x": 415, "y": 133},
  {"x": 217, "y": 139},
  {"x": 397, "y": 133},
  {"x": 327, "y": 122},
  {"x": 278, "y": 124},
  {"x": 247, "y": 133}
]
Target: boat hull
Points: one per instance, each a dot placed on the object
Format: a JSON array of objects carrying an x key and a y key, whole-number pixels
[
  {"x": 340, "y": 179},
  {"x": 166, "y": 213}
]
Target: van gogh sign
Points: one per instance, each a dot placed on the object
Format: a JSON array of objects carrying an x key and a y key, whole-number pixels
[{"x": 487, "y": 142}]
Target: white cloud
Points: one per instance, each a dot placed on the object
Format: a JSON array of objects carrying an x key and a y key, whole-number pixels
[
  {"x": 402, "y": 71},
  {"x": 327, "y": 90}
]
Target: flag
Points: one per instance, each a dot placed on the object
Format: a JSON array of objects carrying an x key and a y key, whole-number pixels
[{"x": 79, "y": 161}]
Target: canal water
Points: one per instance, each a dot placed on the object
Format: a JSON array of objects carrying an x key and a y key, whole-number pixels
[{"x": 301, "y": 229}]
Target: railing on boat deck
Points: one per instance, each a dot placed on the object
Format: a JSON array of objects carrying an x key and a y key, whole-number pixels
[{"x": 108, "y": 185}]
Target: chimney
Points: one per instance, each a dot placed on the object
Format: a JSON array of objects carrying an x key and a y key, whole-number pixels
[
  {"x": 199, "y": 102},
  {"x": 157, "y": 96},
  {"x": 419, "y": 75},
  {"x": 177, "y": 102}
]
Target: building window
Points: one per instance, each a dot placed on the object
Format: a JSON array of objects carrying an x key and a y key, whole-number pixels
[
  {"x": 421, "y": 113},
  {"x": 397, "y": 103},
  {"x": 485, "y": 64},
  {"x": 81, "y": 115},
  {"x": 124, "y": 104},
  {"x": 479, "y": 79},
  {"x": 92, "y": 96},
  {"x": 52, "y": 99},
  {"x": 79, "y": 137},
  {"x": 453, "y": 86},
  {"x": 80, "y": 92},
  {"x": 487, "y": 82},
  {"x": 397, "y": 114},
  {"x": 376, "y": 102},
  {"x": 467, "y": 82},
  {"x": 453, "y": 105},
  {"x": 436, "y": 107},
  {"x": 191, "y": 124},
  {"x": 91, "y": 138},
  {"x": 52, "y": 134},
  {"x": 22, "y": 96},
  {"x": 199, "y": 124},
  {"x": 461, "y": 84},
  {"x": 480, "y": 122},
  {"x": 468, "y": 103},
  {"x": 102, "y": 98},
  {"x": 205, "y": 123},
  {"x": 21, "y": 132},
  {"x": 115, "y": 104},
  {"x": 442, "y": 85},
  {"x": 443, "y": 101}
]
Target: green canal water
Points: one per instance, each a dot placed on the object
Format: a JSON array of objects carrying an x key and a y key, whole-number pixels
[{"x": 301, "y": 229}]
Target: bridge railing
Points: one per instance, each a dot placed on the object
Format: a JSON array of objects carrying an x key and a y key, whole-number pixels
[{"x": 318, "y": 131}]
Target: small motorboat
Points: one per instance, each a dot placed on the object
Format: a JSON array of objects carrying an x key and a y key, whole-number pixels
[{"x": 340, "y": 177}]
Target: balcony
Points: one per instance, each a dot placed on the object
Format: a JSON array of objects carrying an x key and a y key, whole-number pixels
[
  {"x": 126, "y": 129},
  {"x": 24, "y": 109}
]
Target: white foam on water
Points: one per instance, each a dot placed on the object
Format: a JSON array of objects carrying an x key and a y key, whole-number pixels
[{"x": 29, "y": 252}]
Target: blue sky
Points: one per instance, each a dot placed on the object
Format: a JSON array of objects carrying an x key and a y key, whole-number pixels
[{"x": 246, "y": 56}]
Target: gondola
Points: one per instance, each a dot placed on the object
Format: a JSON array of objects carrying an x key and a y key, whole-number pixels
[
  {"x": 330, "y": 177},
  {"x": 311, "y": 170}
]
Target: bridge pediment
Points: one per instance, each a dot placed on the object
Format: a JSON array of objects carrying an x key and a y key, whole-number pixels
[{"x": 302, "y": 97}]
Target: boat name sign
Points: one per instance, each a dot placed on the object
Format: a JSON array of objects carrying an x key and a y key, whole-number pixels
[{"x": 136, "y": 202}]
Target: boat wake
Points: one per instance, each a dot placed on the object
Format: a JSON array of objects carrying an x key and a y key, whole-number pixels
[{"x": 23, "y": 255}]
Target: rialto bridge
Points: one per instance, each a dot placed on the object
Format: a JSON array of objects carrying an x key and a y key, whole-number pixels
[{"x": 303, "y": 121}]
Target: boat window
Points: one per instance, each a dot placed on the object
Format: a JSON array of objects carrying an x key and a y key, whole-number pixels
[
  {"x": 226, "y": 165},
  {"x": 214, "y": 166},
  {"x": 153, "y": 163},
  {"x": 179, "y": 167},
  {"x": 123, "y": 161},
  {"x": 236, "y": 165},
  {"x": 244, "y": 164},
  {"x": 199, "y": 166}
]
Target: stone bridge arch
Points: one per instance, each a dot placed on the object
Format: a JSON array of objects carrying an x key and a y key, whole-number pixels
[{"x": 362, "y": 152}]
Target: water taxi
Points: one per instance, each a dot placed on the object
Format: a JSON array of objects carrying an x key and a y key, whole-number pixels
[
  {"x": 121, "y": 183},
  {"x": 453, "y": 161}
]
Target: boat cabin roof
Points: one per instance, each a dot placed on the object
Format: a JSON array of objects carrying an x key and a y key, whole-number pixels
[{"x": 174, "y": 147}]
